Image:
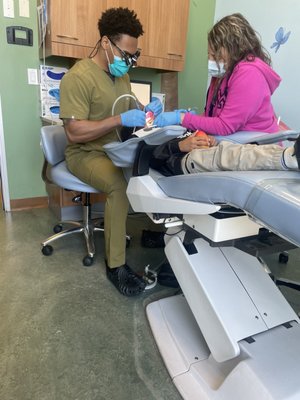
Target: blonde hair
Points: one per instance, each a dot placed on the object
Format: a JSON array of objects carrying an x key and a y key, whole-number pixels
[{"x": 241, "y": 42}]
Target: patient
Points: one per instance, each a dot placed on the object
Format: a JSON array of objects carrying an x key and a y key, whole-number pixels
[{"x": 203, "y": 154}]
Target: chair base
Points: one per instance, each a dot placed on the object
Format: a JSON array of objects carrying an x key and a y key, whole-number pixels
[{"x": 87, "y": 227}]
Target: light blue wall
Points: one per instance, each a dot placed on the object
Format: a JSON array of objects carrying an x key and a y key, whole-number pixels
[{"x": 267, "y": 17}]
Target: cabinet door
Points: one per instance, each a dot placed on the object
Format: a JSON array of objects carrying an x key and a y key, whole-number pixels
[
  {"x": 74, "y": 30},
  {"x": 166, "y": 29},
  {"x": 75, "y": 21},
  {"x": 165, "y": 25},
  {"x": 88, "y": 14},
  {"x": 141, "y": 8},
  {"x": 64, "y": 27}
]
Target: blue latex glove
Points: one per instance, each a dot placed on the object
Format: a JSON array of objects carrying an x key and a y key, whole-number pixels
[
  {"x": 133, "y": 118},
  {"x": 168, "y": 118},
  {"x": 155, "y": 106}
]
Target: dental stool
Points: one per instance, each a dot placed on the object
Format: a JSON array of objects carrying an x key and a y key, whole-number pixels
[{"x": 53, "y": 143}]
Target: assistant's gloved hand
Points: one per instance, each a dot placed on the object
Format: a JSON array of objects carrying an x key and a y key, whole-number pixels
[
  {"x": 168, "y": 118},
  {"x": 155, "y": 106},
  {"x": 133, "y": 118}
]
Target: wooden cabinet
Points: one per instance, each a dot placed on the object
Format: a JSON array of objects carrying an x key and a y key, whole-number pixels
[
  {"x": 164, "y": 40},
  {"x": 72, "y": 29},
  {"x": 165, "y": 25}
]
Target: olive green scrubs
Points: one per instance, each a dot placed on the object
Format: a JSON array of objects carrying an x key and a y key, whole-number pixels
[{"x": 88, "y": 93}]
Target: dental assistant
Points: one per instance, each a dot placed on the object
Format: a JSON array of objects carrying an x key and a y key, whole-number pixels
[{"x": 242, "y": 83}]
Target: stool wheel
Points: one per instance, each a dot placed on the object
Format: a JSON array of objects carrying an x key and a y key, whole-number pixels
[
  {"x": 47, "y": 250},
  {"x": 57, "y": 228},
  {"x": 87, "y": 261},
  {"x": 283, "y": 258}
]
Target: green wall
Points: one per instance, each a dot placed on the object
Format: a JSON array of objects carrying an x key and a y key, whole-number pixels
[
  {"x": 20, "y": 108},
  {"x": 20, "y": 101},
  {"x": 193, "y": 80}
]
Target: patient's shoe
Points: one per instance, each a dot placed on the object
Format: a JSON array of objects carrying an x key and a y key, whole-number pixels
[
  {"x": 291, "y": 156},
  {"x": 297, "y": 151},
  {"x": 125, "y": 280}
]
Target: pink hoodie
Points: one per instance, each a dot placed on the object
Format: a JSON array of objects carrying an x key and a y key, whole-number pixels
[{"x": 242, "y": 104}]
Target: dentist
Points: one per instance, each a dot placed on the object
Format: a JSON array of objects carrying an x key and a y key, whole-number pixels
[{"x": 87, "y": 93}]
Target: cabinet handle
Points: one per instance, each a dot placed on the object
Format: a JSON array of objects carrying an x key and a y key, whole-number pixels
[
  {"x": 175, "y": 55},
  {"x": 67, "y": 37}
]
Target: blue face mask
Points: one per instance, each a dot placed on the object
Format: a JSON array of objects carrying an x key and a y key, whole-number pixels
[{"x": 119, "y": 67}]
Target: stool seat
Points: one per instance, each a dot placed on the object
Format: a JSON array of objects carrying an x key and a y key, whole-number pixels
[{"x": 61, "y": 176}]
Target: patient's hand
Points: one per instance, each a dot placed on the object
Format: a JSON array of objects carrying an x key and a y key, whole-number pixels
[
  {"x": 212, "y": 141},
  {"x": 196, "y": 142}
]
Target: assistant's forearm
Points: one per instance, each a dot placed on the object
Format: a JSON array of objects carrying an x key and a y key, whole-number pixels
[{"x": 211, "y": 125}]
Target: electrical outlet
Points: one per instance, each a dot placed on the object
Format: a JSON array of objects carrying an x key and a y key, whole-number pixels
[{"x": 32, "y": 76}]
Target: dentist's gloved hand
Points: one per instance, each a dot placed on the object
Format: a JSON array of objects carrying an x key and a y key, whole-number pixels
[
  {"x": 168, "y": 118},
  {"x": 155, "y": 106},
  {"x": 133, "y": 118}
]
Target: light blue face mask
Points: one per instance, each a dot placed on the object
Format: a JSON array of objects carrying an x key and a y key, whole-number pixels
[
  {"x": 216, "y": 70},
  {"x": 119, "y": 67}
]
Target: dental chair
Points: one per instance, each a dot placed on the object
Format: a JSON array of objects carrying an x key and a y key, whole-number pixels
[{"x": 230, "y": 335}]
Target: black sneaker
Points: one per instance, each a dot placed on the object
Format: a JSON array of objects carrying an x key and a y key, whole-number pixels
[{"x": 125, "y": 280}]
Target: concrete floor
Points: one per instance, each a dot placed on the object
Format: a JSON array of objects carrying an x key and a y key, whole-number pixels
[{"x": 65, "y": 332}]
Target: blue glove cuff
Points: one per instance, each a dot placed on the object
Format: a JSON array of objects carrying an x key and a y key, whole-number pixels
[
  {"x": 122, "y": 118},
  {"x": 182, "y": 110},
  {"x": 178, "y": 116}
]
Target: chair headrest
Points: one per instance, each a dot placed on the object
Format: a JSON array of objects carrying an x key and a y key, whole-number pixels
[{"x": 53, "y": 143}]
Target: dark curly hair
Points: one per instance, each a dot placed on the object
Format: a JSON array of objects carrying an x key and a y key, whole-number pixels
[{"x": 117, "y": 21}]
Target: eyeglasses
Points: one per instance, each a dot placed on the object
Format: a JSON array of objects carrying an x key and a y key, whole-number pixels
[{"x": 130, "y": 59}]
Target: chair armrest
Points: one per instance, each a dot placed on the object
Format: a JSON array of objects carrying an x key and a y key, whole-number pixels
[{"x": 259, "y": 137}]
